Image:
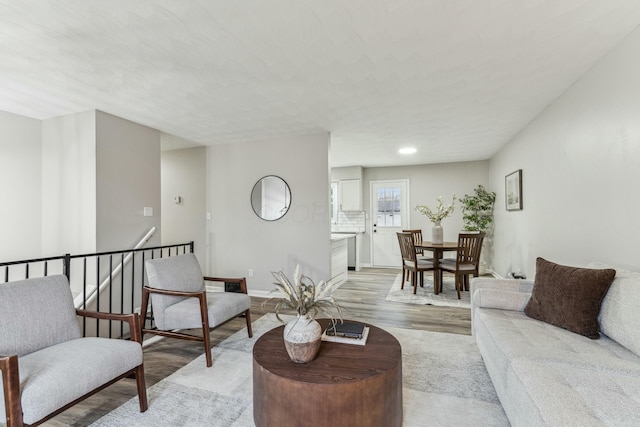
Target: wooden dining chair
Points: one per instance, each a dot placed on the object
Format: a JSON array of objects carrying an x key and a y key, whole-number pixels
[
  {"x": 411, "y": 263},
  {"x": 467, "y": 260},
  {"x": 417, "y": 237}
]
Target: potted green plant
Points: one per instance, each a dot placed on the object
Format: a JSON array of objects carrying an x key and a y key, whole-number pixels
[
  {"x": 477, "y": 215},
  {"x": 477, "y": 210}
]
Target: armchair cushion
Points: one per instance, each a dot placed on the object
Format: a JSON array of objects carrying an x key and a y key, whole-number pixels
[
  {"x": 71, "y": 368},
  {"x": 221, "y": 306},
  {"x": 36, "y": 313}
]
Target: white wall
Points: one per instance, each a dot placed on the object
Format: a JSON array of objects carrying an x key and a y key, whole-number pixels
[
  {"x": 581, "y": 168},
  {"x": 238, "y": 240},
  {"x": 127, "y": 180},
  {"x": 69, "y": 184},
  {"x": 98, "y": 173},
  {"x": 184, "y": 174},
  {"x": 426, "y": 183},
  {"x": 20, "y": 181}
]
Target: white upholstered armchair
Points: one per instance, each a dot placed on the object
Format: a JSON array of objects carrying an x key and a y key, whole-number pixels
[
  {"x": 46, "y": 364},
  {"x": 179, "y": 300}
]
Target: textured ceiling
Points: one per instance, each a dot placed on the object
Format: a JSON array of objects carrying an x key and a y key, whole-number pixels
[{"x": 456, "y": 79}]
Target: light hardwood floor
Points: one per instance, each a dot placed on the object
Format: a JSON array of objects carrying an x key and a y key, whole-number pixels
[{"x": 362, "y": 296}]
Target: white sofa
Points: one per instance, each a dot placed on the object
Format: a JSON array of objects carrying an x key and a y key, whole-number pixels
[{"x": 545, "y": 375}]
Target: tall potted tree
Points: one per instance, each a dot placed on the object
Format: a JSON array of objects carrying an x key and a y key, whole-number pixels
[{"x": 477, "y": 215}]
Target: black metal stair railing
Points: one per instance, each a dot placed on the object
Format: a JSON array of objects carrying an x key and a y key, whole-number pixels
[{"x": 107, "y": 281}]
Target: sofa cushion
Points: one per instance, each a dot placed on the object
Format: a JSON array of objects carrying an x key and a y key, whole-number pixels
[
  {"x": 36, "y": 313},
  {"x": 569, "y": 297},
  {"x": 515, "y": 347},
  {"x": 561, "y": 394},
  {"x": 514, "y": 335},
  {"x": 620, "y": 314},
  {"x": 55, "y": 376}
]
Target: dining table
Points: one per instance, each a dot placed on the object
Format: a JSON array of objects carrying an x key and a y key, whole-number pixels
[{"x": 438, "y": 250}]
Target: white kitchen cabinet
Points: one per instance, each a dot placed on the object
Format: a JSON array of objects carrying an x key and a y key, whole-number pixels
[{"x": 350, "y": 195}]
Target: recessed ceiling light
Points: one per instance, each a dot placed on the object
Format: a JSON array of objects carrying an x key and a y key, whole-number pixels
[{"x": 407, "y": 150}]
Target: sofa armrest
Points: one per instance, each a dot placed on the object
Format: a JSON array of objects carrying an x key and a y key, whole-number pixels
[
  {"x": 241, "y": 281},
  {"x": 512, "y": 285},
  {"x": 11, "y": 390},
  {"x": 133, "y": 319},
  {"x": 501, "y": 294}
]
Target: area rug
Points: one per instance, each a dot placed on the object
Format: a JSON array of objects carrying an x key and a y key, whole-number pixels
[
  {"x": 445, "y": 383},
  {"x": 448, "y": 297}
]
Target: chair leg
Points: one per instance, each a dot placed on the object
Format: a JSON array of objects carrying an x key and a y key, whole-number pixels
[
  {"x": 204, "y": 315},
  {"x": 248, "y": 317},
  {"x": 142, "y": 388},
  {"x": 458, "y": 284},
  {"x": 207, "y": 347},
  {"x": 414, "y": 279}
]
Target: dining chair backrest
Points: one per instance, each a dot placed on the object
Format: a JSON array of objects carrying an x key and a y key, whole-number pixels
[
  {"x": 407, "y": 247},
  {"x": 417, "y": 238},
  {"x": 469, "y": 248}
]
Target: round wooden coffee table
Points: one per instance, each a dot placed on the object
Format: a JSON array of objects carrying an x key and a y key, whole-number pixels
[{"x": 345, "y": 385}]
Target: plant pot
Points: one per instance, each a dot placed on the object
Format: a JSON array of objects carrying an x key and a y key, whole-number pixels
[
  {"x": 482, "y": 268},
  {"x": 302, "y": 339}
]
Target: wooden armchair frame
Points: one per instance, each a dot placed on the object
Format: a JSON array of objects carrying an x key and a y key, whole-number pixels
[
  {"x": 11, "y": 374},
  {"x": 202, "y": 297}
]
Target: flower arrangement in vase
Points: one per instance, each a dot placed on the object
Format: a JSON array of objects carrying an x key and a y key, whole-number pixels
[
  {"x": 302, "y": 335},
  {"x": 436, "y": 216}
]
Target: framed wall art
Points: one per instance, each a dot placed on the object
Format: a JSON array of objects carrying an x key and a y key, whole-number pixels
[{"x": 513, "y": 190}]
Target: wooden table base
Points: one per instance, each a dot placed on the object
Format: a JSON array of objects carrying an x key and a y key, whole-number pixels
[{"x": 346, "y": 385}]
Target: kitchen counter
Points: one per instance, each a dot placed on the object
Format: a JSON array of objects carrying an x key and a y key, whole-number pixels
[
  {"x": 357, "y": 236},
  {"x": 340, "y": 236}
]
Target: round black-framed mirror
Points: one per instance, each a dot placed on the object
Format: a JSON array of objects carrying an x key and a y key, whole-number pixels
[{"x": 271, "y": 198}]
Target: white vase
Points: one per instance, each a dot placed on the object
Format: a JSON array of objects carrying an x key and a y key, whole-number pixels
[
  {"x": 302, "y": 339},
  {"x": 437, "y": 235}
]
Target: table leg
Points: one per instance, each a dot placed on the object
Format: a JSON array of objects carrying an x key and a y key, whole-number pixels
[{"x": 436, "y": 272}]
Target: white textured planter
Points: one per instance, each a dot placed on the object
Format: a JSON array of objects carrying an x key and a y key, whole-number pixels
[
  {"x": 302, "y": 339},
  {"x": 437, "y": 233}
]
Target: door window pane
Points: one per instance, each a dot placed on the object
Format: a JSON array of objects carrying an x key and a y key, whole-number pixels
[{"x": 388, "y": 204}]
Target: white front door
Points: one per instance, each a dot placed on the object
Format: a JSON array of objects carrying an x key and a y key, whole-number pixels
[{"x": 389, "y": 208}]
